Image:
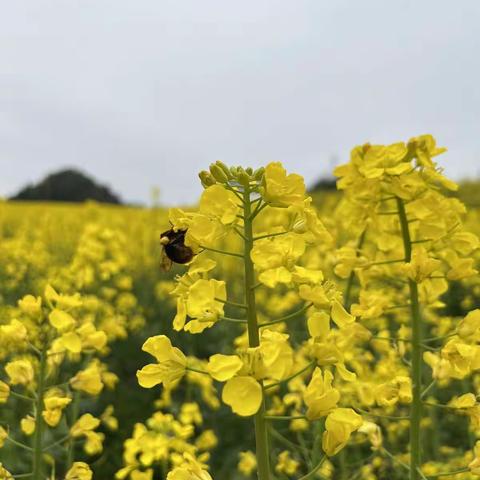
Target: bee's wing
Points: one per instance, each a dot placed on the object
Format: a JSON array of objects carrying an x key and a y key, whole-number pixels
[{"x": 165, "y": 262}]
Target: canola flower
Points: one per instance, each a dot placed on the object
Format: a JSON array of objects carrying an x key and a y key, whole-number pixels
[
  {"x": 332, "y": 382},
  {"x": 47, "y": 332},
  {"x": 411, "y": 242},
  {"x": 232, "y": 205}
]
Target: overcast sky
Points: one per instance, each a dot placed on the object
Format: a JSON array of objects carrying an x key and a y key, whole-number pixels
[{"x": 144, "y": 93}]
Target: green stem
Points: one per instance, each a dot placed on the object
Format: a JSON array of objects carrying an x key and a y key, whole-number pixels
[
  {"x": 351, "y": 277},
  {"x": 416, "y": 409},
  {"x": 291, "y": 377},
  {"x": 232, "y": 304},
  {"x": 37, "y": 473},
  {"x": 18, "y": 444},
  {"x": 261, "y": 434},
  {"x": 197, "y": 370},
  {"x": 284, "y": 417},
  {"x": 395, "y": 459},
  {"x": 315, "y": 470},
  {"x": 222, "y": 252},
  {"x": 23, "y": 397},
  {"x": 233, "y": 320},
  {"x": 58, "y": 442},
  {"x": 269, "y": 235},
  {"x": 288, "y": 317},
  {"x": 73, "y": 419},
  {"x": 447, "y": 474}
]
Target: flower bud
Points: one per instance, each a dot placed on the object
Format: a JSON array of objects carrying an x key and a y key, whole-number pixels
[
  {"x": 249, "y": 170},
  {"x": 225, "y": 169},
  {"x": 258, "y": 174},
  {"x": 218, "y": 173},
  {"x": 206, "y": 179},
  {"x": 243, "y": 177}
]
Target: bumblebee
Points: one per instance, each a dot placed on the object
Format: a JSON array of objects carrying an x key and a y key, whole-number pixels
[{"x": 174, "y": 249}]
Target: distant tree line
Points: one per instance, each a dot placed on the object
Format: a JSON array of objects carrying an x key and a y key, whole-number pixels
[{"x": 67, "y": 186}]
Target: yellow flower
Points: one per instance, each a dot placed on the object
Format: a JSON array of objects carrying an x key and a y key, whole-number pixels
[
  {"x": 27, "y": 425},
  {"x": 30, "y": 305},
  {"x": 243, "y": 394},
  {"x": 190, "y": 414},
  {"x": 276, "y": 257},
  {"x": 88, "y": 380},
  {"x": 79, "y": 471},
  {"x": 63, "y": 302},
  {"x": 171, "y": 364},
  {"x": 206, "y": 440},
  {"x": 189, "y": 469},
  {"x": 4, "y": 473},
  {"x": 86, "y": 423},
  {"x": 13, "y": 334},
  {"x": 470, "y": 325},
  {"x": 54, "y": 403},
  {"x": 318, "y": 324},
  {"x": 93, "y": 443},
  {"x": 467, "y": 400},
  {"x": 421, "y": 266},
  {"x": 286, "y": 464},
  {"x": 4, "y": 392},
  {"x": 339, "y": 425},
  {"x": 340, "y": 316},
  {"x": 374, "y": 434},
  {"x": 276, "y": 354},
  {"x": 224, "y": 367},
  {"x": 307, "y": 222},
  {"x": 138, "y": 475},
  {"x": 204, "y": 231},
  {"x": 61, "y": 320},
  {"x": 71, "y": 342},
  {"x": 20, "y": 372},
  {"x": 218, "y": 202},
  {"x": 319, "y": 396},
  {"x": 91, "y": 338},
  {"x": 380, "y": 160},
  {"x": 424, "y": 148},
  {"x": 202, "y": 305},
  {"x": 108, "y": 419},
  {"x": 247, "y": 463},
  {"x": 474, "y": 465},
  {"x": 280, "y": 189}
]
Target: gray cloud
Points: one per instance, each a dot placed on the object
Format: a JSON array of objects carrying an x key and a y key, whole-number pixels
[{"x": 143, "y": 93}]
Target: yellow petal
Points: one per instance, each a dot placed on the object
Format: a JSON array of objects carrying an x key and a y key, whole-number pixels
[
  {"x": 61, "y": 320},
  {"x": 243, "y": 394},
  {"x": 340, "y": 316},
  {"x": 151, "y": 375},
  {"x": 224, "y": 367},
  {"x": 71, "y": 341},
  {"x": 318, "y": 324}
]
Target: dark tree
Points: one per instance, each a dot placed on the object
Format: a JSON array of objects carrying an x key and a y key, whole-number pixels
[{"x": 67, "y": 186}]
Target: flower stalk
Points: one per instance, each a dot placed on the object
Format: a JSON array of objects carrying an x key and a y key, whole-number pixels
[
  {"x": 416, "y": 324},
  {"x": 261, "y": 434},
  {"x": 37, "y": 473}
]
